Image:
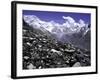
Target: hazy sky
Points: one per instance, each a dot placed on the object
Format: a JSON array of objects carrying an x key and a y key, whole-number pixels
[{"x": 57, "y": 16}]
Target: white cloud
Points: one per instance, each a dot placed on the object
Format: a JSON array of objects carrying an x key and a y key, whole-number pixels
[{"x": 69, "y": 19}]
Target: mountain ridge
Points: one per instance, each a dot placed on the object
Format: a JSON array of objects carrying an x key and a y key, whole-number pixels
[{"x": 70, "y": 31}]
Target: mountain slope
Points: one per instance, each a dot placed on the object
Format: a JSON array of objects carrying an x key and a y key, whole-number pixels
[
  {"x": 70, "y": 31},
  {"x": 42, "y": 51}
]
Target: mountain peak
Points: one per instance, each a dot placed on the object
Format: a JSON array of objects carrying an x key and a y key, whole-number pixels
[{"x": 69, "y": 27}]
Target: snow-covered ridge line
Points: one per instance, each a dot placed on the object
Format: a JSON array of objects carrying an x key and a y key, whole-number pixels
[{"x": 70, "y": 26}]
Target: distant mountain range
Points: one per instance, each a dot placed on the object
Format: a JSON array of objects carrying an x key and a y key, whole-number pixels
[{"x": 77, "y": 33}]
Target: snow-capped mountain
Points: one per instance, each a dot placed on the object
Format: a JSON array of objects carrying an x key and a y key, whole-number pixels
[
  {"x": 69, "y": 27},
  {"x": 70, "y": 30}
]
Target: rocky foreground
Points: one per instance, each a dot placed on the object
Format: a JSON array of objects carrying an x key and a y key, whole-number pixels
[{"x": 42, "y": 51}]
